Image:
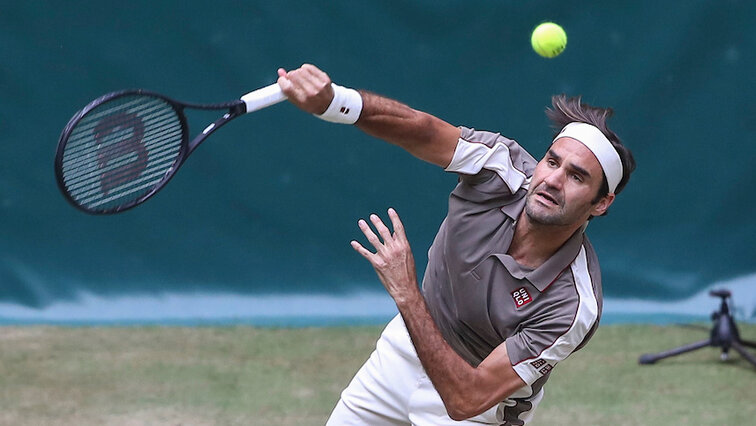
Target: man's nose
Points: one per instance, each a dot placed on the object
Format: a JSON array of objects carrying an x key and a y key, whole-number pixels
[{"x": 555, "y": 178}]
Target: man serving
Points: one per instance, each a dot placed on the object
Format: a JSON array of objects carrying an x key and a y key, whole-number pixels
[{"x": 512, "y": 286}]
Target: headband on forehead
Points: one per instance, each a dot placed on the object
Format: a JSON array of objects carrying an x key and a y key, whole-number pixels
[{"x": 593, "y": 139}]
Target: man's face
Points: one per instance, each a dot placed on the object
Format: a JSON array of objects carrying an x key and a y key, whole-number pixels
[{"x": 564, "y": 183}]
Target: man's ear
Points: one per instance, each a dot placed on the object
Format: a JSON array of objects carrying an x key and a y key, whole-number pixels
[{"x": 602, "y": 205}]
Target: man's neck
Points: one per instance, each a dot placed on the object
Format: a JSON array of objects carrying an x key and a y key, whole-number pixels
[{"x": 534, "y": 243}]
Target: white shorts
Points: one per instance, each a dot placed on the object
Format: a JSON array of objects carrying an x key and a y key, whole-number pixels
[{"x": 392, "y": 388}]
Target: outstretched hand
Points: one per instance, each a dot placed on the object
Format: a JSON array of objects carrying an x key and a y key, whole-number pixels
[
  {"x": 307, "y": 87},
  {"x": 393, "y": 260}
]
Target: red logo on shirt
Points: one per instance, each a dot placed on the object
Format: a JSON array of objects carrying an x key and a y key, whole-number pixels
[{"x": 521, "y": 297}]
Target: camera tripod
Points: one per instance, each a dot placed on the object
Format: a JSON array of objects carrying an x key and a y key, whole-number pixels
[{"x": 724, "y": 334}]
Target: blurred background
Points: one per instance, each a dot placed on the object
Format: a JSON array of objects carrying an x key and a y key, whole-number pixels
[{"x": 256, "y": 226}]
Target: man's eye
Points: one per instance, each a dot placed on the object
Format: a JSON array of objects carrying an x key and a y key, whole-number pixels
[
  {"x": 551, "y": 163},
  {"x": 577, "y": 177}
]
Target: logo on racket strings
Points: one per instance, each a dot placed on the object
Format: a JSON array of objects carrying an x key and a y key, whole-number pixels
[{"x": 119, "y": 137}]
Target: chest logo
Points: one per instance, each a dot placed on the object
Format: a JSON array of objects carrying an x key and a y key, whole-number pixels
[{"x": 521, "y": 297}]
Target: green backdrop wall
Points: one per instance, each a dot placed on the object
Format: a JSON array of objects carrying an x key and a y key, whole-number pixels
[{"x": 269, "y": 204}]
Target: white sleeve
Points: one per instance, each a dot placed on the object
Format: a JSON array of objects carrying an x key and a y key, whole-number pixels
[{"x": 476, "y": 151}]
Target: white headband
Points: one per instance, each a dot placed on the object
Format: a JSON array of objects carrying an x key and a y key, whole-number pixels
[{"x": 593, "y": 139}]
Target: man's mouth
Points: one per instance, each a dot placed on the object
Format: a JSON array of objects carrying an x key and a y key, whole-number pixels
[{"x": 547, "y": 197}]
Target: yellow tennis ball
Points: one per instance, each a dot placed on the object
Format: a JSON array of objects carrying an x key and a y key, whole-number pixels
[{"x": 548, "y": 39}]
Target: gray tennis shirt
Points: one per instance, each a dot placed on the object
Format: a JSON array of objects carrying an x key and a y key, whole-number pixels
[{"x": 480, "y": 297}]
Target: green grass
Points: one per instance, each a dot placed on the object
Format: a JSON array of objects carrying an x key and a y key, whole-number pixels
[
  {"x": 253, "y": 376},
  {"x": 604, "y": 385}
]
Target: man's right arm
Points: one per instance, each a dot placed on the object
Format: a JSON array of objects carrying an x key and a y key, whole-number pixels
[{"x": 422, "y": 135}]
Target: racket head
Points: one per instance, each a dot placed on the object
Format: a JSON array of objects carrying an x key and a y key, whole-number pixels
[{"x": 120, "y": 150}]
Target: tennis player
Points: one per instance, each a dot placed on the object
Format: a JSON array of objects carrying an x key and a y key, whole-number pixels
[{"x": 512, "y": 286}]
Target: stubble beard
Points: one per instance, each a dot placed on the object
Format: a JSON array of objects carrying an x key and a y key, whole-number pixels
[
  {"x": 537, "y": 214},
  {"x": 561, "y": 216}
]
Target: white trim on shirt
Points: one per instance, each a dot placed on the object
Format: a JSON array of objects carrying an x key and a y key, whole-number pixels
[
  {"x": 470, "y": 157},
  {"x": 585, "y": 318}
]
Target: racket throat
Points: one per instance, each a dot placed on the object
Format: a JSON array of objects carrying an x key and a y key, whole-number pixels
[{"x": 233, "y": 112}]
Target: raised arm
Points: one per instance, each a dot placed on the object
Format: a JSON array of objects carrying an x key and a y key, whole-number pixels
[{"x": 422, "y": 135}]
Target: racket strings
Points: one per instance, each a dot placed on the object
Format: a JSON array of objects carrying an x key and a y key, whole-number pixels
[
  {"x": 120, "y": 151},
  {"x": 89, "y": 172},
  {"x": 83, "y": 129}
]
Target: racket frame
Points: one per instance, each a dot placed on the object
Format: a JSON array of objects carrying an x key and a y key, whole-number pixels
[{"x": 234, "y": 109}]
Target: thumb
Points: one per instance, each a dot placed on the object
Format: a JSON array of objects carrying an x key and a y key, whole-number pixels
[{"x": 285, "y": 84}]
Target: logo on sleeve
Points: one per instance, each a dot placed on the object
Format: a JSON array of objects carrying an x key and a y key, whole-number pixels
[
  {"x": 521, "y": 297},
  {"x": 542, "y": 366}
]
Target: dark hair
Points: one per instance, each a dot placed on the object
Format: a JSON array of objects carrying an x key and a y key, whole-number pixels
[{"x": 566, "y": 110}]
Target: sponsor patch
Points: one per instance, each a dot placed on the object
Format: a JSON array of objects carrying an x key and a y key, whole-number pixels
[
  {"x": 521, "y": 297},
  {"x": 538, "y": 363},
  {"x": 542, "y": 366}
]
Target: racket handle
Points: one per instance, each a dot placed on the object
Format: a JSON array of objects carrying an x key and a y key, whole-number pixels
[{"x": 263, "y": 97}]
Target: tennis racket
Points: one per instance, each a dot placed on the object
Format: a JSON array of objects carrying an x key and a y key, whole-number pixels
[{"x": 123, "y": 147}]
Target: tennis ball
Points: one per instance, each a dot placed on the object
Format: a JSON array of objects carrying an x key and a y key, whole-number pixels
[{"x": 548, "y": 39}]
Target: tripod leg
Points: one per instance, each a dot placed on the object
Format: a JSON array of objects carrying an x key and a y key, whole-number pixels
[
  {"x": 748, "y": 343},
  {"x": 741, "y": 350},
  {"x": 652, "y": 358}
]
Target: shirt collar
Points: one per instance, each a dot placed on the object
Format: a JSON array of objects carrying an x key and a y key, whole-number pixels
[
  {"x": 514, "y": 209},
  {"x": 549, "y": 271}
]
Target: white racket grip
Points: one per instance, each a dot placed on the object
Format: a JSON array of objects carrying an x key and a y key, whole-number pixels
[{"x": 263, "y": 97}]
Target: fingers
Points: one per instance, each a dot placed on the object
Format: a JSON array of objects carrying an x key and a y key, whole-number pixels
[
  {"x": 381, "y": 228},
  {"x": 386, "y": 238},
  {"x": 396, "y": 223},
  {"x": 304, "y": 81},
  {"x": 307, "y": 87},
  {"x": 307, "y": 78},
  {"x": 362, "y": 250},
  {"x": 287, "y": 86},
  {"x": 315, "y": 75},
  {"x": 369, "y": 234}
]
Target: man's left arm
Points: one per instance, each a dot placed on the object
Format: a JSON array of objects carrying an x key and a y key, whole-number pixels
[{"x": 465, "y": 390}]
